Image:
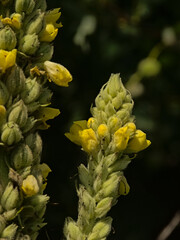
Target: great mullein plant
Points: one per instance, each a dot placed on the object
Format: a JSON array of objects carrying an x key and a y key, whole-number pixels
[
  {"x": 111, "y": 140},
  {"x": 27, "y": 31}
]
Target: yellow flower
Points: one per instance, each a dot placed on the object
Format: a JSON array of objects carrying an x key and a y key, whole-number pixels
[
  {"x": 7, "y": 59},
  {"x": 90, "y": 122},
  {"x": 75, "y": 130},
  {"x": 45, "y": 170},
  {"x": 131, "y": 128},
  {"x": 123, "y": 186},
  {"x": 2, "y": 114},
  {"x": 121, "y": 138},
  {"x": 46, "y": 113},
  {"x": 138, "y": 142},
  {"x": 57, "y": 73},
  {"x": 14, "y": 21},
  {"x": 102, "y": 130},
  {"x": 50, "y": 31},
  {"x": 30, "y": 186},
  {"x": 88, "y": 140}
]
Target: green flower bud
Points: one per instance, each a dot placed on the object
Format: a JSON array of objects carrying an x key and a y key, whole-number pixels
[
  {"x": 32, "y": 107},
  {"x": 2, "y": 223},
  {"x": 103, "y": 207},
  {"x": 31, "y": 91},
  {"x": 84, "y": 176},
  {"x": 149, "y": 67},
  {"x": 10, "y": 231},
  {"x": 4, "y": 94},
  {"x": 10, "y": 197},
  {"x": 11, "y": 133},
  {"x": 36, "y": 23},
  {"x": 120, "y": 165},
  {"x": 72, "y": 231},
  {"x": 41, "y": 4},
  {"x": 34, "y": 141},
  {"x": 38, "y": 202},
  {"x": 29, "y": 124},
  {"x": 45, "y": 52},
  {"x": 7, "y": 39},
  {"x": 15, "y": 81},
  {"x": 4, "y": 171},
  {"x": 29, "y": 44},
  {"x": 26, "y": 6},
  {"x": 10, "y": 215},
  {"x": 101, "y": 229},
  {"x": 45, "y": 97},
  {"x": 21, "y": 157},
  {"x": 18, "y": 113},
  {"x": 24, "y": 172}
]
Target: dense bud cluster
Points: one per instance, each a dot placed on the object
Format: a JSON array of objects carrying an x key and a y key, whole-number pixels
[{"x": 26, "y": 34}]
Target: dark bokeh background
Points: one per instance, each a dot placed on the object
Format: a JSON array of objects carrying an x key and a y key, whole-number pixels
[{"x": 100, "y": 37}]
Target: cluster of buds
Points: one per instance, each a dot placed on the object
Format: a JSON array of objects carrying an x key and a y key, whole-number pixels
[
  {"x": 26, "y": 34},
  {"x": 111, "y": 140}
]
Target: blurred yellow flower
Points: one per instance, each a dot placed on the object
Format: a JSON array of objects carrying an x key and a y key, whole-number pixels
[
  {"x": 138, "y": 142},
  {"x": 121, "y": 138},
  {"x": 30, "y": 186},
  {"x": 76, "y": 128},
  {"x": 7, "y": 59},
  {"x": 102, "y": 130},
  {"x": 57, "y": 73}
]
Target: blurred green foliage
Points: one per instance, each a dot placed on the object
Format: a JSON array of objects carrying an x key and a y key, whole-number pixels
[{"x": 100, "y": 37}]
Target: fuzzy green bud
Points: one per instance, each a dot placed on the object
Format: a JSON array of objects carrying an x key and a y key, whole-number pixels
[
  {"x": 10, "y": 197},
  {"x": 36, "y": 24},
  {"x": 4, "y": 94},
  {"x": 34, "y": 141},
  {"x": 7, "y": 39},
  {"x": 45, "y": 97},
  {"x": 15, "y": 81},
  {"x": 45, "y": 52},
  {"x": 29, "y": 44},
  {"x": 11, "y": 133},
  {"x": 103, "y": 207},
  {"x": 31, "y": 91},
  {"x": 21, "y": 157},
  {"x": 10, "y": 231},
  {"x": 24, "y": 6},
  {"x": 72, "y": 231},
  {"x": 84, "y": 176},
  {"x": 25, "y": 172},
  {"x": 101, "y": 229},
  {"x": 18, "y": 113},
  {"x": 41, "y": 4},
  {"x": 10, "y": 215},
  {"x": 2, "y": 223},
  {"x": 29, "y": 124},
  {"x": 38, "y": 202}
]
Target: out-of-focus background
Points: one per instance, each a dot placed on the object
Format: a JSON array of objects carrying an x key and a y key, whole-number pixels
[{"x": 141, "y": 40}]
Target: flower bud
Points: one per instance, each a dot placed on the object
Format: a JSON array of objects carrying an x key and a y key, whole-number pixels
[
  {"x": 10, "y": 197},
  {"x": 15, "y": 81},
  {"x": 25, "y": 172},
  {"x": 7, "y": 59},
  {"x": 84, "y": 176},
  {"x": 71, "y": 230},
  {"x": 31, "y": 91},
  {"x": 38, "y": 201},
  {"x": 34, "y": 141},
  {"x": 101, "y": 229},
  {"x": 24, "y": 6},
  {"x": 18, "y": 113},
  {"x": 45, "y": 52},
  {"x": 11, "y": 133},
  {"x": 123, "y": 186},
  {"x": 45, "y": 97},
  {"x": 2, "y": 223},
  {"x": 30, "y": 186},
  {"x": 102, "y": 130},
  {"x": 36, "y": 24},
  {"x": 10, "y": 231},
  {"x": 110, "y": 186},
  {"x": 29, "y": 124},
  {"x": 41, "y": 4},
  {"x": 21, "y": 157},
  {"x": 29, "y": 44},
  {"x": 10, "y": 215},
  {"x": 103, "y": 207},
  {"x": 58, "y": 73},
  {"x": 7, "y": 39},
  {"x": 4, "y": 94}
]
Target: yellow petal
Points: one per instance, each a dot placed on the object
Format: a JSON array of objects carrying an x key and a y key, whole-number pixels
[
  {"x": 30, "y": 186},
  {"x": 46, "y": 113}
]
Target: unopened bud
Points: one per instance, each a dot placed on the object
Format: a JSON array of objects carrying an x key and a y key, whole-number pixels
[
  {"x": 10, "y": 215},
  {"x": 4, "y": 94},
  {"x": 10, "y": 231},
  {"x": 10, "y": 197},
  {"x": 34, "y": 141},
  {"x": 7, "y": 39},
  {"x": 21, "y": 157},
  {"x": 31, "y": 91},
  {"x": 71, "y": 230},
  {"x": 11, "y": 133},
  {"x": 18, "y": 113},
  {"x": 36, "y": 23},
  {"x": 30, "y": 186},
  {"x": 29, "y": 124},
  {"x": 2, "y": 223},
  {"x": 45, "y": 96},
  {"x": 24, "y": 6},
  {"x": 38, "y": 201},
  {"x": 45, "y": 52},
  {"x": 29, "y": 44},
  {"x": 15, "y": 81},
  {"x": 103, "y": 207}
]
